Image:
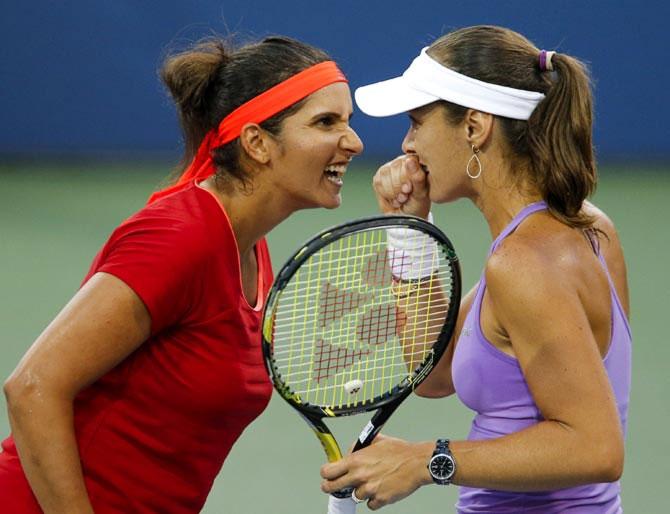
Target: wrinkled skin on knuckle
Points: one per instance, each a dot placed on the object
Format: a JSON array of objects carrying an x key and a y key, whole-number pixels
[{"x": 375, "y": 504}]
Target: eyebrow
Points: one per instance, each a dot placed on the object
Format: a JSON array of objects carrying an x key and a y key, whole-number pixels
[
  {"x": 331, "y": 114},
  {"x": 420, "y": 112}
]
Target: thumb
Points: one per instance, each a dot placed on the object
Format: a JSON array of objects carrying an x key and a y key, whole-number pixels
[{"x": 418, "y": 202}]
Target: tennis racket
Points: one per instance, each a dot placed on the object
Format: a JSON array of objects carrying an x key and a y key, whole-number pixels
[{"x": 357, "y": 318}]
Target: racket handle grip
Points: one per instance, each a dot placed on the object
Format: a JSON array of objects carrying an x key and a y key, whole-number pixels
[
  {"x": 341, "y": 505},
  {"x": 343, "y": 493}
]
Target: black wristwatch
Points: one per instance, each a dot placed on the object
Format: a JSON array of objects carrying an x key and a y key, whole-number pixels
[{"x": 442, "y": 465}]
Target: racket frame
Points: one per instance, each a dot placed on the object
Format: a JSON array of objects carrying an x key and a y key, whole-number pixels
[{"x": 389, "y": 402}]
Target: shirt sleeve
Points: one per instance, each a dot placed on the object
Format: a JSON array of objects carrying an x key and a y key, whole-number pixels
[{"x": 162, "y": 262}]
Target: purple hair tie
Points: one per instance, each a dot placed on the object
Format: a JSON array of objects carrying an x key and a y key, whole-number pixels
[{"x": 545, "y": 60}]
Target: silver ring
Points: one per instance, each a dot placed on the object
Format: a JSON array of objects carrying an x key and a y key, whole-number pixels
[{"x": 355, "y": 498}]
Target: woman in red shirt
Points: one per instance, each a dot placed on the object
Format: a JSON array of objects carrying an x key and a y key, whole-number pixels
[{"x": 131, "y": 399}]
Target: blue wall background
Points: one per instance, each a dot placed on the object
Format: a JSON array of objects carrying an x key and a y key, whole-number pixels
[{"x": 79, "y": 77}]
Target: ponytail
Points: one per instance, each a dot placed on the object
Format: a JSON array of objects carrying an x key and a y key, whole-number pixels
[
  {"x": 560, "y": 143},
  {"x": 556, "y": 141}
]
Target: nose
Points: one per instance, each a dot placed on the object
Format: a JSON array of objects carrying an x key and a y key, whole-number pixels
[
  {"x": 351, "y": 142},
  {"x": 408, "y": 142}
]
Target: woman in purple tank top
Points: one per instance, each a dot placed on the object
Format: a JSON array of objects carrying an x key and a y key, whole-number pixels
[{"x": 542, "y": 352}]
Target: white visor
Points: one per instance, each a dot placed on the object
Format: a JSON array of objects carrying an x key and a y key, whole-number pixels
[{"x": 427, "y": 81}]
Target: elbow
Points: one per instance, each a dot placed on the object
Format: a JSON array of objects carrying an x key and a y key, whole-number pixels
[
  {"x": 428, "y": 390},
  {"x": 10, "y": 389},
  {"x": 609, "y": 460},
  {"x": 613, "y": 468},
  {"x": 425, "y": 392},
  {"x": 21, "y": 389}
]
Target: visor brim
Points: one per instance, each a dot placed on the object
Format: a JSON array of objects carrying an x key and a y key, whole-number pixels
[{"x": 389, "y": 97}]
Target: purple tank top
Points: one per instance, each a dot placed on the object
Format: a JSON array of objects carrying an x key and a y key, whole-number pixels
[{"x": 491, "y": 383}]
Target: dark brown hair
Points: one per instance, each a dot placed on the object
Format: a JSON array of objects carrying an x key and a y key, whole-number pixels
[
  {"x": 210, "y": 80},
  {"x": 557, "y": 139}
]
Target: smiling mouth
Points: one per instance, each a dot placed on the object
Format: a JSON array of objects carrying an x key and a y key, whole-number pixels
[{"x": 335, "y": 172}]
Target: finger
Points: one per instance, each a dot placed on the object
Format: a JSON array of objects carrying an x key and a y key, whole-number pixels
[
  {"x": 334, "y": 470},
  {"x": 418, "y": 201},
  {"x": 330, "y": 486},
  {"x": 377, "y": 501},
  {"x": 359, "y": 494},
  {"x": 375, "y": 504},
  {"x": 391, "y": 180},
  {"x": 417, "y": 178},
  {"x": 398, "y": 177},
  {"x": 382, "y": 184},
  {"x": 391, "y": 185},
  {"x": 384, "y": 195}
]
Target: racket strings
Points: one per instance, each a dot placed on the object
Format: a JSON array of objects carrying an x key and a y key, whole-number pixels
[{"x": 343, "y": 334}]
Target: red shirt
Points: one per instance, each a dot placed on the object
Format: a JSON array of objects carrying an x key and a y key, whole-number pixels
[{"x": 154, "y": 431}]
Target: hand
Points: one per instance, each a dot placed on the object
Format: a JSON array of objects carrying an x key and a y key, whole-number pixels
[
  {"x": 383, "y": 473},
  {"x": 402, "y": 188}
]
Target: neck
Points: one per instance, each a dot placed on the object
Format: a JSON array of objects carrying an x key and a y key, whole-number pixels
[
  {"x": 500, "y": 198},
  {"x": 251, "y": 215}
]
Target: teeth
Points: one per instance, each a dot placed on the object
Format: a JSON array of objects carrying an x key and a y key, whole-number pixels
[
  {"x": 337, "y": 169},
  {"x": 335, "y": 179}
]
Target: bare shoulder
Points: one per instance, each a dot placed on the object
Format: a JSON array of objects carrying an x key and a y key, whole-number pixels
[
  {"x": 612, "y": 250},
  {"x": 540, "y": 253},
  {"x": 605, "y": 225},
  {"x": 542, "y": 275},
  {"x": 544, "y": 258},
  {"x": 602, "y": 221}
]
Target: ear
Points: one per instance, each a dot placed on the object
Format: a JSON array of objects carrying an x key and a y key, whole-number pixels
[
  {"x": 255, "y": 142},
  {"x": 479, "y": 127}
]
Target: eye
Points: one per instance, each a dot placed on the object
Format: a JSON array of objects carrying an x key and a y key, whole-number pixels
[{"x": 326, "y": 121}]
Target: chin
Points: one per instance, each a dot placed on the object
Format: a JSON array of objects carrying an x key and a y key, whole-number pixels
[
  {"x": 446, "y": 196},
  {"x": 323, "y": 203},
  {"x": 333, "y": 203}
]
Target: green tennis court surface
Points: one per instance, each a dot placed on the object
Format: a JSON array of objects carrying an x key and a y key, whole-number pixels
[{"x": 54, "y": 219}]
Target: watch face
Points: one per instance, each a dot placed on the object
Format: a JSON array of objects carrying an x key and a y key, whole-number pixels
[{"x": 442, "y": 467}]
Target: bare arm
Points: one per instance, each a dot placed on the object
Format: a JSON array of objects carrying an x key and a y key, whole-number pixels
[
  {"x": 102, "y": 324},
  {"x": 421, "y": 308},
  {"x": 578, "y": 442},
  {"x": 401, "y": 188},
  {"x": 439, "y": 383}
]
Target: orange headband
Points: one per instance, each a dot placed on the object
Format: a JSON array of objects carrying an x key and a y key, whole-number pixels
[
  {"x": 256, "y": 110},
  {"x": 278, "y": 98}
]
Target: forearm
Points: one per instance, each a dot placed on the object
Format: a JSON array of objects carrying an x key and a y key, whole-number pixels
[
  {"x": 548, "y": 455},
  {"x": 43, "y": 430},
  {"x": 543, "y": 457},
  {"x": 421, "y": 310}
]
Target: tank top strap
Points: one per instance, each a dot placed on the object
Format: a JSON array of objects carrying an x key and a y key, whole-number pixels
[{"x": 516, "y": 221}]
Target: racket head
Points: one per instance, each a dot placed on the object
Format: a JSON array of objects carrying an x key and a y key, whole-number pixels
[{"x": 334, "y": 318}]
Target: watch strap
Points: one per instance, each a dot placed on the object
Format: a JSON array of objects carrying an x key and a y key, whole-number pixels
[{"x": 442, "y": 446}]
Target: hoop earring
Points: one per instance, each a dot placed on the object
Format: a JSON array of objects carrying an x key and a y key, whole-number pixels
[{"x": 475, "y": 151}]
